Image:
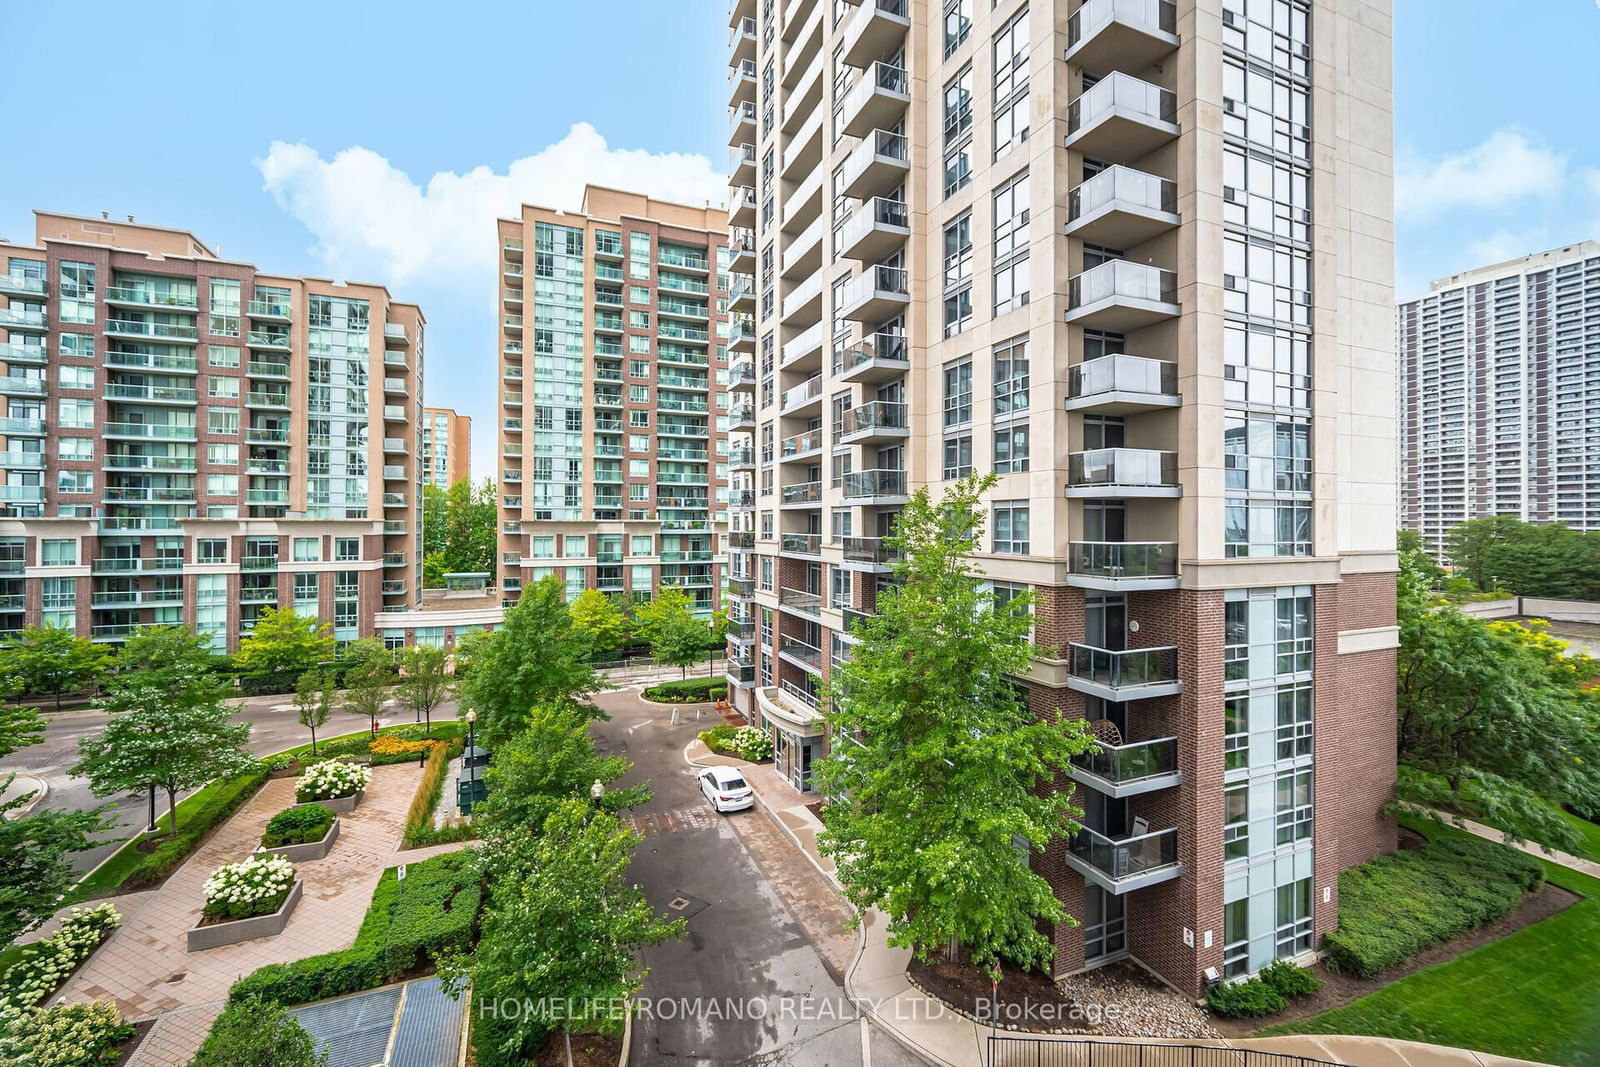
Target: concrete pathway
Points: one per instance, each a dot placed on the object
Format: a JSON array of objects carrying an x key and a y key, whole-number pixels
[{"x": 1491, "y": 833}]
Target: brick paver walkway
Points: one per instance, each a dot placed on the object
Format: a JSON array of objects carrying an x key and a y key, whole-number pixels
[{"x": 144, "y": 966}]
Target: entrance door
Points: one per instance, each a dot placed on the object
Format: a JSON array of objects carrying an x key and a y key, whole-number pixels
[
  {"x": 808, "y": 752},
  {"x": 1105, "y": 924}
]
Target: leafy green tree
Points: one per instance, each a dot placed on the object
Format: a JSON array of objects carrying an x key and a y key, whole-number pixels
[
  {"x": 1421, "y": 564},
  {"x": 424, "y": 681},
  {"x": 171, "y": 740},
  {"x": 434, "y": 505},
  {"x": 433, "y": 570},
  {"x": 313, "y": 702},
  {"x": 257, "y": 1033},
  {"x": 1532, "y": 559},
  {"x": 534, "y": 659},
  {"x": 370, "y": 682},
  {"x": 471, "y": 527},
  {"x": 676, "y": 637},
  {"x": 284, "y": 641},
  {"x": 54, "y": 660},
  {"x": 940, "y": 768},
  {"x": 551, "y": 761},
  {"x": 562, "y": 931},
  {"x": 599, "y": 622},
  {"x": 19, "y": 728},
  {"x": 169, "y": 658}
]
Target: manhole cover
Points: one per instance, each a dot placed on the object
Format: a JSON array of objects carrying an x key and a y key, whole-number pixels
[
  {"x": 180, "y": 976},
  {"x": 686, "y": 906}
]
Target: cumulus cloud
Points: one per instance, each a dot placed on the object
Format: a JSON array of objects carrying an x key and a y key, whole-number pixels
[
  {"x": 372, "y": 221},
  {"x": 1507, "y": 167}
]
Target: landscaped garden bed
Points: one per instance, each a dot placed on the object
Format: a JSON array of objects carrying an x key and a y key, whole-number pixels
[
  {"x": 588, "y": 1050},
  {"x": 1027, "y": 1000},
  {"x": 301, "y": 833},
  {"x": 687, "y": 691},
  {"x": 68, "y": 1035},
  {"x": 334, "y": 784},
  {"x": 740, "y": 742},
  {"x": 46, "y": 965},
  {"x": 246, "y": 900}
]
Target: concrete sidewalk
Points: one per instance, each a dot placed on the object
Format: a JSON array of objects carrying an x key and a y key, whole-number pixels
[{"x": 877, "y": 983}]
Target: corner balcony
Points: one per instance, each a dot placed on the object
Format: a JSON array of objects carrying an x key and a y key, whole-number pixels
[
  {"x": 1113, "y": 473},
  {"x": 1121, "y": 296},
  {"x": 875, "y": 294},
  {"x": 742, "y": 40},
  {"x": 879, "y": 357},
  {"x": 792, "y": 708},
  {"x": 1122, "y": 384},
  {"x": 1121, "y": 207},
  {"x": 877, "y": 101},
  {"x": 802, "y": 305},
  {"x": 802, "y": 255},
  {"x": 742, "y": 206},
  {"x": 868, "y": 553},
  {"x": 742, "y": 334},
  {"x": 877, "y": 28},
  {"x": 741, "y": 82},
  {"x": 742, "y": 417},
  {"x": 742, "y": 297},
  {"x": 1122, "y": 865},
  {"x": 395, "y": 332},
  {"x": 1126, "y": 674},
  {"x": 1121, "y": 119},
  {"x": 742, "y": 675},
  {"x": 744, "y": 165},
  {"x": 874, "y": 422},
  {"x": 803, "y": 350},
  {"x": 878, "y": 228},
  {"x": 1123, "y": 566},
  {"x": 876, "y": 488},
  {"x": 742, "y": 246},
  {"x": 1129, "y": 770},
  {"x": 742, "y": 377},
  {"x": 1127, "y": 35}
]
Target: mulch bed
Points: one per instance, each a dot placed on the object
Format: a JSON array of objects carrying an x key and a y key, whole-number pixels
[
  {"x": 1340, "y": 989},
  {"x": 1022, "y": 994},
  {"x": 588, "y": 1050},
  {"x": 126, "y": 1050},
  {"x": 815, "y": 808}
]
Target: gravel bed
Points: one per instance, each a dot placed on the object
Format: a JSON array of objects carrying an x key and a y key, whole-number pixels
[{"x": 1125, "y": 1001}]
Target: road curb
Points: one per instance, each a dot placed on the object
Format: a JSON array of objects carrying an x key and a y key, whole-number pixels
[{"x": 40, "y": 790}]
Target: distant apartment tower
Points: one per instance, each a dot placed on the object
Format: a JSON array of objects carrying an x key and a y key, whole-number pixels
[
  {"x": 190, "y": 441},
  {"x": 446, "y": 447},
  {"x": 1110, "y": 251},
  {"x": 613, "y": 472},
  {"x": 1499, "y": 389}
]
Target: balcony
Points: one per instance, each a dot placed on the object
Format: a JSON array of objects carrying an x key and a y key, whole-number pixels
[
  {"x": 394, "y": 588},
  {"x": 1121, "y": 865},
  {"x": 1121, "y": 296},
  {"x": 17, "y": 385},
  {"x": 20, "y": 319},
  {"x": 742, "y": 539},
  {"x": 22, "y": 285},
  {"x": 806, "y": 656},
  {"x": 742, "y": 335},
  {"x": 742, "y": 245},
  {"x": 802, "y": 397},
  {"x": 22, "y": 494},
  {"x": 802, "y": 305},
  {"x": 1121, "y": 207},
  {"x": 878, "y": 228},
  {"x": 267, "y": 399},
  {"x": 1128, "y": 770},
  {"x": 742, "y": 459},
  {"x": 139, "y": 328},
  {"x": 742, "y": 206},
  {"x": 1127, "y": 35},
  {"x": 804, "y": 205},
  {"x": 803, "y": 254},
  {"x": 801, "y": 544},
  {"x": 742, "y": 39},
  {"x": 803, "y": 154},
  {"x": 801, "y": 446},
  {"x": 394, "y": 446},
  {"x": 1129, "y": 674},
  {"x": 741, "y": 377},
  {"x": 270, "y": 340},
  {"x": 801, "y": 601},
  {"x": 266, "y": 368},
  {"x": 22, "y": 461},
  {"x": 876, "y": 358},
  {"x": 1121, "y": 566},
  {"x": 875, "y": 294},
  {"x": 394, "y": 359},
  {"x": 875, "y": 421},
  {"x": 1121, "y": 384},
  {"x": 741, "y": 588},
  {"x": 876, "y": 487},
  {"x": 742, "y": 123},
  {"x": 741, "y": 82},
  {"x": 1110, "y": 473},
  {"x": 150, "y": 431},
  {"x": 742, "y": 297},
  {"x": 878, "y": 164},
  {"x": 394, "y": 413},
  {"x": 14, "y": 427},
  {"x": 267, "y": 435},
  {"x": 18, "y": 354},
  {"x": 877, "y": 28},
  {"x": 742, "y": 165},
  {"x": 792, "y": 707},
  {"x": 122, "y": 461},
  {"x": 877, "y": 101},
  {"x": 395, "y": 332},
  {"x": 277, "y": 310},
  {"x": 798, "y": 351},
  {"x": 1121, "y": 119},
  {"x": 143, "y": 296},
  {"x": 801, "y": 495},
  {"x": 874, "y": 553},
  {"x": 742, "y": 417},
  {"x": 150, "y": 394},
  {"x": 739, "y": 674}
]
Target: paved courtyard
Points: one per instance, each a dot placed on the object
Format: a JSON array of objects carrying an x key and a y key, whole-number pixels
[{"x": 144, "y": 966}]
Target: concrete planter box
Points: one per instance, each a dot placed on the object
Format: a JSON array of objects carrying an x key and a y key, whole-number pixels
[
  {"x": 339, "y": 805},
  {"x": 310, "y": 850},
  {"x": 231, "y": 933}
]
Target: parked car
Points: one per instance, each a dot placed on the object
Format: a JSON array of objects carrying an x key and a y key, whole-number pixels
[{"x": 726, "y": 789}]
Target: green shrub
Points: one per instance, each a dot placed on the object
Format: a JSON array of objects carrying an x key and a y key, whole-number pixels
[
  {"x": 1247, "y": 998},
  {"x": 1394, "y": 907},
  {"x": 1290, "y": 980},
  {"x": 220, "y": 799},
  {"x": 401, "y": 931},
  {"x": 719, "y": 738},
  {"x": 741, "y": 742},
  {"x": 688, "y": 691},
  {"x": 270, "y": 683},
  {"x": 67, "y": 1035},
  {"x": 297, "y": 826},
  {"x": 259, "y": 1034}
]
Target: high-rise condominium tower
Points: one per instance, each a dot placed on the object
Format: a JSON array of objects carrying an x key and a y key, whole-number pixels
[
  {"x": 189, "y": 441},
  {"x": 1134, "y": 256},
  {"x": 446, "y": 447},
  {"x": 1498, "y": 384},
  {"x": 612, "y": 470}
]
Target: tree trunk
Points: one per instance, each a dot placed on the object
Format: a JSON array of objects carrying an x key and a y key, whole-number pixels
[
  {"x": 566, "y": 1037},
  {"x": 58, "y": 700},
  {"x": 313, "y": 742},
  {"x": 427, "y": 730},
  {"x": 172, "y": 807}
]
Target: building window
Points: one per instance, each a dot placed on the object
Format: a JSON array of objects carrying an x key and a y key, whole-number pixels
[
  {"x": 307, "y": 594},
  {"x": 958, "y": 275},
  {"x": 211, "y": 550},
  {"x": 1294, "y": 807},
  {"x": 75, "y": 482},
  {"x": 766, "y": 574},
  {"x": 1011, "y": 215},
  {"x": 957, "y": 457},
  {"x": 59, "y": 602},
  {"x": 75, "y": 414},
  {"x": 1011, "y": 84},
  {"x": 958, "y": 394},
  {"x": 1236, "y": 822},
  {"x": 1011, "y": 377},
  {"x": 1236, "y": 733},
  {"x": 1295, "y": 918},
  {"x": 957, "y": 24},
  {"x": 1236, "y": 938},
  {"x": 346, "y": 549},
  {"x": 74, "y": 377},
  {"x": 222, "y": 355},
  {"x": 1295, "y": 636},
  {"x": 958, "y": 131},
  {"x": 1294, "y": 734},
  {"x": 1011, "y": 449},
  {"x": 840, "y": 588},
  {"x": 307, "y": 549},
  {"x": 1010, "y": 520},
  {"x": 58, "y": 552},
  {"x": 223, "y": 421}
]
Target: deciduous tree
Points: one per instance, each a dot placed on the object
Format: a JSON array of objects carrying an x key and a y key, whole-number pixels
[
  {"x": 940, "y": 770},
  {"x": 284, "y": 641},
  {"x": 53, "y": 660},
  {"x": 676, "y": 637},
  {"x": 369, "y": 683},
  {"x": 598, "y": 621},
  {"x": 424, "y": 681},
  {"x": 313, "y": 702},
  {"x": 552, "y": 760}
]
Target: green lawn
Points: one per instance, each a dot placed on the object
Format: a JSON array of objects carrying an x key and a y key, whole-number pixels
[{"x": 1532, "y": 995}]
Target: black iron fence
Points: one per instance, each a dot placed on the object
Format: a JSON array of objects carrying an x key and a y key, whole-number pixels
[{"x": 1018, "y": 1051}]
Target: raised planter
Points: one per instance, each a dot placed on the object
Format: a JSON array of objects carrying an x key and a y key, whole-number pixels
[
  {"x": 339, "y": 805},
  {"x": 231, "y": 933},
  {"x": 309, "y": 850}
]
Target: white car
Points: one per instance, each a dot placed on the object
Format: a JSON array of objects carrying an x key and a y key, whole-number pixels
[{"x": 726, "y": 789}]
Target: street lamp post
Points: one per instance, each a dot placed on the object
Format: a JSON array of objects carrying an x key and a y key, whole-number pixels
[{"x": 472, "y": 743}]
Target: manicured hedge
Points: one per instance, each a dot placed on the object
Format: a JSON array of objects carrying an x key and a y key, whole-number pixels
[
  {"x": 298, "y": 825},
  {"x": 221, "y": 799},
  {"x": 401, "y": 931},
  {"x": 277, "y": 683},
  {"x": 688, "y": 691},
  {"x": 1394, "y": 907}
]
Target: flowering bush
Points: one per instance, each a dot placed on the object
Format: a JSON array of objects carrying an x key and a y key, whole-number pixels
[
  {"x": 330, "y": 780},
  {"x": 390, "y": 748},
  {"x": 257, "y": 886},
  {"x": 67, "y": 1035},
  {"x": 752, "y": 743},
  {"x": 36, "y": 977}
]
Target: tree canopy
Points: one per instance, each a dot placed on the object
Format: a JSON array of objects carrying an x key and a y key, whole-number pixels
[
  {"x": 53, "y": 660},
  {"x": 284, "y": 641},
  {"x": 424, "y": 681},
  {"x": 552, "y": 760},
  {"x": 939, "y": 768},
  {"x": 459, "y": 530},
  {"x": 598, "y": 620},
  {"x": 676, "y": 637},
  {"x": 1530, "y": 559}
]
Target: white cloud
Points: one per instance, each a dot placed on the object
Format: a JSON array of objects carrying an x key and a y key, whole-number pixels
[
  {"x": 1507, "y": 167},
  {"x": 1503, "y": 244},
  {"x": 373, "y": 223}
]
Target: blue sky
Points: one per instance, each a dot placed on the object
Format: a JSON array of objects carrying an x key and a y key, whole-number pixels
[{"x": 376, "y": 141}]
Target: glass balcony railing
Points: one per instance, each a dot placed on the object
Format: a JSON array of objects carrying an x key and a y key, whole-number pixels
[
  {"x": 873, "y": 483},
  {"x": 802, "y": 493},
  {"x": 801, "y": 600},
  {"x": 1121, "y": 279},
  {"x": 1125, "y": 559},
  {"x": 884, "y": 347},
  {"x": 1127, "y": 669},
  {"x": 1116, "y": 467},
  {"x": 1121, "y": 92},
  {"x": 1119, "y": 184},
  {"x": 873, "y": 415},
  {"x": 1129, "y": 857},
  {"x": 1132, "y": 763},
  {"x": 795, "y": 648},
  {"x": 138, "y": 294},
  {"x": 806, "y": 544},
  {"x": 869, "y": 550},
  {"x": 802, "y": 443},
  {"x": 808, "y": 390},
  {"x": 1123, "y": 374},
  {"x": 140, "y": 328}
]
